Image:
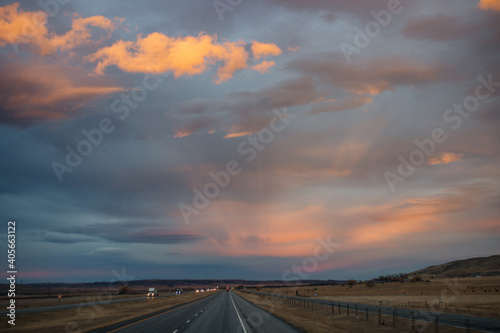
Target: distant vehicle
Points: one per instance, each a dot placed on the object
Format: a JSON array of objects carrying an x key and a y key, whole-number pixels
[
  {"x": 227, "y": 289},
  {"x": 178, "y": 291},
  {"x": 152, "y": 292}
]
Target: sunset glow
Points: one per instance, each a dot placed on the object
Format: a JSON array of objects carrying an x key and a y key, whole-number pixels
[{"x": 166, "y": 139}]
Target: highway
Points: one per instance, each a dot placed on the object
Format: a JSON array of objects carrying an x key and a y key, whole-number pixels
[{"x": 221, "y": 313}]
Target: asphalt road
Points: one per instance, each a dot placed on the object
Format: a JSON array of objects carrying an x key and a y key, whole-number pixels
[
  {"x": 221, "y": 313},
  {"x": 475, "y": 323}
]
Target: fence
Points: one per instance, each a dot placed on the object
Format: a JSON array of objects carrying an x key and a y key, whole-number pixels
[{"x": 421, "y": 321}]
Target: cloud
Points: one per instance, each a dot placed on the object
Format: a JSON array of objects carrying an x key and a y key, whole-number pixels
[
  {"x": 365, "y": 78},
  {"x": 438, "y": 27},
  {"x": 260, "y": 50},
  {"x": 445, "y": 158},
  {"x": 184, "y": 56},
  {"x": 113, "y": 252},
  {"x": 254, "y": 242},
  {"x": 245, "y": 112},
  {"x": 62, "y": 238},
  {"x": 493, "y": 5},
  {"x": 395, "y": 222},
  {"x": 360, "y": 7},
  {"x": 128, "y": 232},
  {"x": 263, "y": 67},
  {"x": 349, "y": 102},
  {"x": 23, "y": 27},
  {"x": 35, "y": 92},
  {"x": 369, "y": 77}
]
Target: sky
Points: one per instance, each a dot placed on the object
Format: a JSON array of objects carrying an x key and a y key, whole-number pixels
[{"x": 267, "y": 139}]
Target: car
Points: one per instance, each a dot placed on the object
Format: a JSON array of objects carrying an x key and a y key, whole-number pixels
[
  {"x": 152, "y": 292},
  {"x": 179, "y": 291}
]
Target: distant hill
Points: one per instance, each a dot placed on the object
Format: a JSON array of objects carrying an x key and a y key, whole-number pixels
[{"x": 484, "y": 266}]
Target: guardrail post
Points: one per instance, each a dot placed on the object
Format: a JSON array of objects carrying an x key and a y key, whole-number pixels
[
  {"x": 356, "y": 307},
  {"x": 467, "y": 325},
  {"x": 347, "y": 310},
  {"x": 436, "y": 322},
  {"x": 379, "y": 316},
  {"x": 366, "y": 310},
  {"x": 394, "y": 318},
  {"x": 412, "y": 321},
  {"x": 339, "y": 308}
]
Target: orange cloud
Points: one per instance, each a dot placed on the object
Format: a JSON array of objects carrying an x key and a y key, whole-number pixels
[
  {"x": 237, "y": 134},
  {"x": 445, "y": 158},
  {"x": 489, "y": 5},
  {"x": 21, "y": 27},
  {"x": 80, "y": 33},
  {"x": 260, "y": 50},
  {"x": 188, "y": 55},
  {"x": 263, "y": 67}
]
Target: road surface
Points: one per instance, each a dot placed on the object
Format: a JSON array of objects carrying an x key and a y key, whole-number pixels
[
  {"x": 475, "y": 323},
  {"x": 221, "y": 313}
]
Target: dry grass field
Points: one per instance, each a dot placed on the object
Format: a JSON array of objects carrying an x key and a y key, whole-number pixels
[
  {"x": 468, "y": 296},
  {"x": 89, "y": 318},
  {"x": 319, "y": 319}
]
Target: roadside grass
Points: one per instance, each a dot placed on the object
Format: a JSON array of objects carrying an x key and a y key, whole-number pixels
[
  {"x": 320, "y": 319},
  {"x": 84, "y": 319},
  {"x": 465, "y": 296}
]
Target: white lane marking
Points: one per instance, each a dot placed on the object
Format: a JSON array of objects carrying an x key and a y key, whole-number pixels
[
  {"x": 175, "y": 331},
  {"x": 187, "y": 322},
  {"x": 241, "y": 322},
  {"x": 196, "y": 315}
]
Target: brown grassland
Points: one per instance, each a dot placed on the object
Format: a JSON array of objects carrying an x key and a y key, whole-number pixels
[
  {"x": 468, "y": 296},
  {"x": 319, "y": 319},
  {"x": 89, "y": 318}
]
